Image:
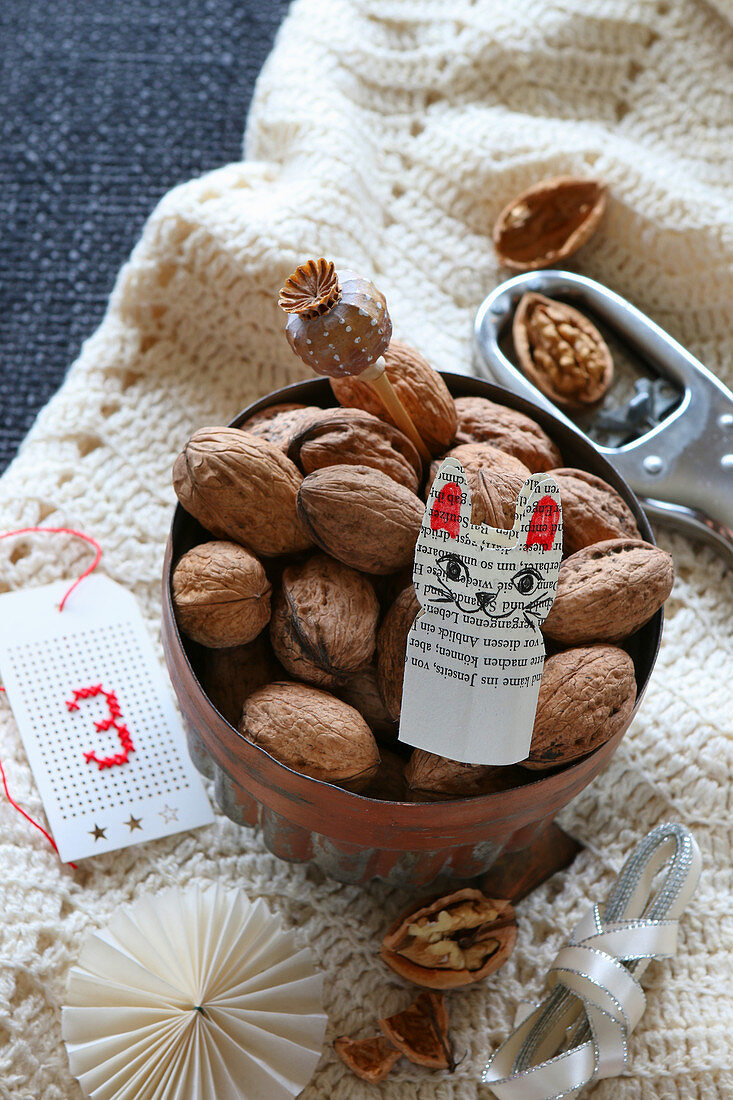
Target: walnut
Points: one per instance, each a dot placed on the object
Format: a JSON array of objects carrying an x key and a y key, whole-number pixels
[
  {"x": 433, "y": 778},
  {"x": 561, "y": 352},
  {"x": 494, "y": 497},
  {"x": 421, "y": 390},
  {"x": 221, "y": 594},
  {"x": 607, "y": 591},
  {"x": 477, "y": 457},
  {"x": 392, "y": 647},
  {"x": 592, "y": 510},
  {"x": 229, "y": 676},
  {"x": 241, "y": 487},
  {"x": 586, "y": 697},
  {"x": 311, "y": 732},
  {"x": 352, "y": 437},
  {"x": 361, "y": 690},
  {"x": 548, "y": 222},
  {"x": 388, "y": 785},
  {"x": 279, "y": 423},
  {"x": 324, "y": 621},
  {"x": 361, "y": 517},
  {"x": 452, "y": 941},
  {"x": 483, "y": 421}
]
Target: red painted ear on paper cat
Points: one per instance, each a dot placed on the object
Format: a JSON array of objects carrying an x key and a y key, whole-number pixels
[
  {"x": 538, "y": 518},
  {"x": 449, "y": 501},
  {"x": 544, "y": 523},
  {"x": 445, "y": 513}
]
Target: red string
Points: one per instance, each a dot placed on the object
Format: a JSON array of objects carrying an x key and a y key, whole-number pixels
[
  {"x": 63, "y": 531},
  {"x": 20, "y": 810}
]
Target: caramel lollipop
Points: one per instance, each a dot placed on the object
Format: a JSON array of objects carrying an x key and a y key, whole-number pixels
[{"x": 339, "y": 325}]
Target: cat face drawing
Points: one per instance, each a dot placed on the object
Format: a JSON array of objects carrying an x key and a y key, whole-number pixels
[
  {"x": 483, "y": 572},
  {"x": 475, "y": 651}
]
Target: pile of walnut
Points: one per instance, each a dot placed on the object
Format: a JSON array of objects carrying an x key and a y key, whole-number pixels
[{"x": 303, "y": 596}]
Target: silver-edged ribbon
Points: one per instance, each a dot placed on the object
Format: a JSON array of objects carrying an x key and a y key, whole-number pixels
[{"x": 580, "y": 1032}]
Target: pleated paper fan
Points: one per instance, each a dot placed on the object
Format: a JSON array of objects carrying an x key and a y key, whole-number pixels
[{"x": 194, "y": 994}]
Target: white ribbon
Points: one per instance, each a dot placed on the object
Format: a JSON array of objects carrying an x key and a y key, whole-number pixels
[{"x": 580, "y": 1032}]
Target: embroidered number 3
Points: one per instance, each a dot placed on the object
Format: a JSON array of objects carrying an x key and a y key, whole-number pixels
[{"x": 114, "y": 722}]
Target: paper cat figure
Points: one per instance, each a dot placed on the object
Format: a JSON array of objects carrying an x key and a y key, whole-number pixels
[{"x": 475, "y": 651}]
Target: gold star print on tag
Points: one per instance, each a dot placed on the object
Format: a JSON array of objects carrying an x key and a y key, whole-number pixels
[
  {"x": 98, "y": 833},
  {"x": 134, "y": 823}
]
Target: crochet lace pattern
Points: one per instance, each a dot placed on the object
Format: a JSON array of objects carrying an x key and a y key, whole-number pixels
[{"x": 423, "y": 121}]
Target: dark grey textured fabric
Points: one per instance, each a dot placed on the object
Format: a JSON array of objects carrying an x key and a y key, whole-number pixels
[{"x": 103, "y": 107}]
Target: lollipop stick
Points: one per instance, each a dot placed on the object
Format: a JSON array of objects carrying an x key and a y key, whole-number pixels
[{"x": 376, "y": 377}]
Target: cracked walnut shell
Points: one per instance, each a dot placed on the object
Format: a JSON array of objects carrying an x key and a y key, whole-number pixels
[
  {"x": 561, "y": 352},
  {"x": 452, "y": 941},
  {"x": 421, "y": 1032},
  {"x": 548, "y": 222},
  {"x": 370, "y": 1059}
]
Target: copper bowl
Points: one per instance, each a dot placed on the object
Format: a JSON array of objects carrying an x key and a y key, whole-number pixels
[{"x": 350, "y": 837}]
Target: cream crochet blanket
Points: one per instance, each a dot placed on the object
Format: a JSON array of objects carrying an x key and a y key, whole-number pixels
[{"x": 387, "y": 134}]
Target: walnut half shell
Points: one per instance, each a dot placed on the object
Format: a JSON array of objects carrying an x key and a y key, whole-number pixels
[
  {"x": 548, "y": 222},
  {"x": 453, "y": 941}
]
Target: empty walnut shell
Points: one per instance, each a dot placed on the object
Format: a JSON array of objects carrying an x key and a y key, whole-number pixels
[
  {"x": 221, "y": 594},
  {"x": 324, "y": 622},
  {"x": 392, "y": 647},
  {"x": 548, "y": 222},
  {"x": 586, "y": 697},
  {"x": 421, "y": 1032},
  {"x": 451, "y": 941},
  {"x": 561, "y": 352},
  {"x": 483, "y": 421},
  {"x": 313, "y": 733},
  {"x": 279, "y": 423},
  {"x": 419, "y": 387},
  {"x": 352, "y": 437},
  {"x": 592, "y": 510},
  {"x": 370, "y": 1059}
]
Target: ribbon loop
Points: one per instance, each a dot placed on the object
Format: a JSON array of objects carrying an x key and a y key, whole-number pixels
[{"x": 580, "y": 1032}]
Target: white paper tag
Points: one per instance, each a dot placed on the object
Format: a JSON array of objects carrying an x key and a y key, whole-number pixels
[
  {"x": 102, "y": 735},
  {"x": 475, "y": 652}
]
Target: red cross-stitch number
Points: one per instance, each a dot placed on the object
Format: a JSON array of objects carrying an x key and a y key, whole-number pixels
[{"x": 114, "y": 722}]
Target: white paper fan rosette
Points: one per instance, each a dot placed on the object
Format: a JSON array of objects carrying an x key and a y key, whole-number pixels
[{"x": 194, "y": 994}]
